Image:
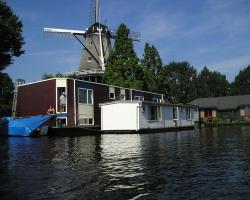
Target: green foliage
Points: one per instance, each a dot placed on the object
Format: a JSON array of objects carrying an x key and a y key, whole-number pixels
[
  {"x": 180, "y": 77},
  {"x": 11, "y": 41},
  {"x": 47, "y": 76},
  {"x": 6, "y": 94},
  {"x": 246, "y": 118},
  {"x": 152, "y": 67},
  {"x": 241, "y": 84},
  {"x": 57, "y": 75},
  {"x": 211, "y": 84},
  {"x": 122, "y": 66},
  {"x": 151, "y": 59}
]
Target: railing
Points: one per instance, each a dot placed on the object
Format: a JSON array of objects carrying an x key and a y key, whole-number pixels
[{"x": 90, "y": 71}]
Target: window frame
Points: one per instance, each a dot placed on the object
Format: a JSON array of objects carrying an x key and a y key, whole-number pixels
[
  {"x": 157, "y": 113},
  {"x": 140, "y": 98},
  {"x": 87, "y": 96},
  {"x": 188, "y": 113},
  {"x": 111, "y": 91},
  {"x": 122, "y": 94},
  {"x": 156, "y": 100},
  {"x": 177, "y": 113}
]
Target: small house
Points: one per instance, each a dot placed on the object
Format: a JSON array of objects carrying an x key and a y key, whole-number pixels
[
  {"x": 140, "y": 115},
  {"x": 227, "y": 107}
]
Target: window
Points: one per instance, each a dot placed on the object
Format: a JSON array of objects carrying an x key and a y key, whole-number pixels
[
  {"x": 188, "y": 113},
  {"x": 90, "y": 43},
  {"x": 61, "y": 100},
  {"x": 154, "y": 113},
  {"x": 85, "y": 121},
  {"x": 111, "y": 93},
  {"x": 90, "y": 59},
  {"x": 156, "y": 100},
  {"x": 139, "y": 98},
  {"x": 175, "y": 113},
  {"x": 85, "y": 96},
  {"x": 61, "y": 122},
  {"x": 123, "y": 94}
]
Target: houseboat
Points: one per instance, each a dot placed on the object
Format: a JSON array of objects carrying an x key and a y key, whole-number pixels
[
  {"x": 81, "y": 103},
  {"x": 119, "y": 116}
]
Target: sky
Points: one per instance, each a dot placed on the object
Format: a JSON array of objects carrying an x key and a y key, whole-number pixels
[{"x": 212, "y": 33}]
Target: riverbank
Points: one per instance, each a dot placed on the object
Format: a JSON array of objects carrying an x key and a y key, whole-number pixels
[{"x": 228, "y": 123}]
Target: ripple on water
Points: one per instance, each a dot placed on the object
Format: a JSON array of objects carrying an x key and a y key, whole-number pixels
[{"x": 208, "y": 164}]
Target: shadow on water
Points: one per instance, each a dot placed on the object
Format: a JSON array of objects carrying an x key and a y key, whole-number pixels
[{"x": 212, "y": 163}]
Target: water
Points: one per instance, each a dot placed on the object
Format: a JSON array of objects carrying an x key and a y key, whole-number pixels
[{"x": 205, "y": 164}]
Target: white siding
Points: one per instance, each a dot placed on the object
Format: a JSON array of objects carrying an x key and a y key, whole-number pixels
[
  {"x": 134, "y": 116},
  {"x": 119, "y": 116}
]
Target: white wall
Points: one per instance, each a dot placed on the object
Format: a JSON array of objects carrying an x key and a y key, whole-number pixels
[{"x": 119, "y": 116}]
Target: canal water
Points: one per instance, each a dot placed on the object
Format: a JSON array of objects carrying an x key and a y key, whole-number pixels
[{"x": 211, "y": 163}]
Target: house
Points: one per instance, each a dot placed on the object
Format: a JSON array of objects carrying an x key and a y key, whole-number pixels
[
  {"x": 82, "y": 99},
  {"x": 141, "y": 115},
  {"x": 227, "y": 107}
]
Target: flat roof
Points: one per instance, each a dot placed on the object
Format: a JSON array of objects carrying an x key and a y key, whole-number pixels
[
  {"x": 223, "y": 103},
  {"x": 88, "y": 82},
  {"x": 146, "y": 102}
]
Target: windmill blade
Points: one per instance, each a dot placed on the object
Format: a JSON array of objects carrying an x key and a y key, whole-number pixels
[
  {"x": 135, "y": 36},
  {"x": 94, "y": 16},
  {"x": 64, "y": 32}
]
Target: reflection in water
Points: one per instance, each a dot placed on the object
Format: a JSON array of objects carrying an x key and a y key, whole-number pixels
[{"x": 213, "y": 163}]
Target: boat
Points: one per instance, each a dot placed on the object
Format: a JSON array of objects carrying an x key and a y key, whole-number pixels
[
  {"x": 26, "y": 126},
  {"x": 142, "y": 117}
]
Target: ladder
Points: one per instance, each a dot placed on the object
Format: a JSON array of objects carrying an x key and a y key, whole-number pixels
[{"x": 18, "y": 82}]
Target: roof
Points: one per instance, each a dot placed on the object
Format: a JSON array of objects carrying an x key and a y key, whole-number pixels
[
  {"x": 223, "y": 103},
  {"x": 145, "y": 102},
  {"x": 57, "y": 78}
]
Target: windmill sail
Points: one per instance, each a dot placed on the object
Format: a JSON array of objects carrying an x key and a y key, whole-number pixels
[
  {"x": 135, "y": 36},
  {"x": 94, "y": 12},
  {"x": 65, "y": 32}
]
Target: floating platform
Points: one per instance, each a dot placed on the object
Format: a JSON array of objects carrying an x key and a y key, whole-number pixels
[{"x": 25, "y": 126}]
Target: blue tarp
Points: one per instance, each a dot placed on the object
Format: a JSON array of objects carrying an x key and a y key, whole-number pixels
[{"x": 25, "y": 126}]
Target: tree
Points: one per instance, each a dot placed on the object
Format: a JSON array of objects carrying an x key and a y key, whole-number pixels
[
  {"x": 211, "y": 84},
  {"x": 122, "y": 66},
  {"x": 180, "y": 77},
  {"x": 11, "y": 41},
  {"x": 241, "y": 83},
  {"x": 57, "y": 75},
  {"x": 6, "y": 94},
  {"x": 152, "y": 67},
  {"x": 151, "y": 59}
]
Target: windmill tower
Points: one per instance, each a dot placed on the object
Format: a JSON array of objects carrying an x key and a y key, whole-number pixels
[{"x": 96, "y": 42}]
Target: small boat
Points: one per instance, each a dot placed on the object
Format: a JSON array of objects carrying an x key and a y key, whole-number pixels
[{"x": 25, "y": 126}]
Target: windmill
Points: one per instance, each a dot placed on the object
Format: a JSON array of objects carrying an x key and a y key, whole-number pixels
[{"x": 96, "y": 42}]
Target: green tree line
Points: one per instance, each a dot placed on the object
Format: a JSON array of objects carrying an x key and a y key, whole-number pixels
[
  {"x": 11, "y": 42},
  {"x": 178, "y": 81}
]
